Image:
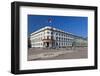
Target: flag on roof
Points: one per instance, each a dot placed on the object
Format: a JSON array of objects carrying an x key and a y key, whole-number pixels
[{"x": 49, "y": 20}]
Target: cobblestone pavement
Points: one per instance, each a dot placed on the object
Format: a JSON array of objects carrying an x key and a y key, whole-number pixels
[{"x": 52, "y": 54}]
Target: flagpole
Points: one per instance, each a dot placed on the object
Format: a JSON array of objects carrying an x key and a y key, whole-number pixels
[{"x": 50, "y": 21}]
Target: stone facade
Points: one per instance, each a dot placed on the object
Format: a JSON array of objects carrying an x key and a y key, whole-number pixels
[{"x": 49, "y": 37}]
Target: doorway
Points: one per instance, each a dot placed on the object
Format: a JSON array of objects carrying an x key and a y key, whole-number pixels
[{"x": 47, "y": 44}]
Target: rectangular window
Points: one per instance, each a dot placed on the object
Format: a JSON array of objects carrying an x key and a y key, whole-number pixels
[{"x": 47, "y": 37}]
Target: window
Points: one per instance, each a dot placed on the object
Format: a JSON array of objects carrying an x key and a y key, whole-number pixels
[
  {"x": 59, "y": 34},
  {"x": 56, "y": 38},
  {"x": 62, "y": 39},
  {"x": 47, "y": 37},
  {"x": 59, "y": 38},
  {"x": 62, "y": 34},
  {"x": 48, "y": 32},
  {"x": 51, "y": 32},
  {"x": 51, "y": 37}
]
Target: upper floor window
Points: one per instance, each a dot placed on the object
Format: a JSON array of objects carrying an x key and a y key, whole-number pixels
[
  {"x": 56, "y": 38},
  {"x": 59, "y": 38},
  {"x": 51, "y": 32},
  {"x": 59, "y": 34},
  {"x": 48, "y": 32}
]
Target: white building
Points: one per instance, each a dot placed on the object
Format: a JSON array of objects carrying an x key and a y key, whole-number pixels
[{"x": 52, "y": 38}]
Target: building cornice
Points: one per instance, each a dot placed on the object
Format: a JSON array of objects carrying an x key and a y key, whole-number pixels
[{"x": 54, "y": 29}]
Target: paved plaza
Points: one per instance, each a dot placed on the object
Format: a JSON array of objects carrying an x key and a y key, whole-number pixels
[{"x": 54, "y": 54}]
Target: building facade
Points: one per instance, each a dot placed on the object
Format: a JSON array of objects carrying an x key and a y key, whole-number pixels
[{"x": 49, "y": 37}]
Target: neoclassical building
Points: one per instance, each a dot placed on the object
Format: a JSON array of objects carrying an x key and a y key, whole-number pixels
[{"x": 49, "y": 37}]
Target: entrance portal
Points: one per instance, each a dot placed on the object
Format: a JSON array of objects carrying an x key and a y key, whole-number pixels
[{"x": 47, "y": 44}]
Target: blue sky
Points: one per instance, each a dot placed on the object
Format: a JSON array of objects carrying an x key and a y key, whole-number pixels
[{"x": 73, "y": 24}]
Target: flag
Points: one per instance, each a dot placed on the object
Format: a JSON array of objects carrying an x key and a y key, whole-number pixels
[{"x": 49, "y": 20}]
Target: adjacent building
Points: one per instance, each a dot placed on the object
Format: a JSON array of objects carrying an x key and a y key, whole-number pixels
[{"x": 49, "y": 37}]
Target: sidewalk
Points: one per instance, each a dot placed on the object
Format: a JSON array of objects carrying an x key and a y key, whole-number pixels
[{"x": 51, "y": 54}]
